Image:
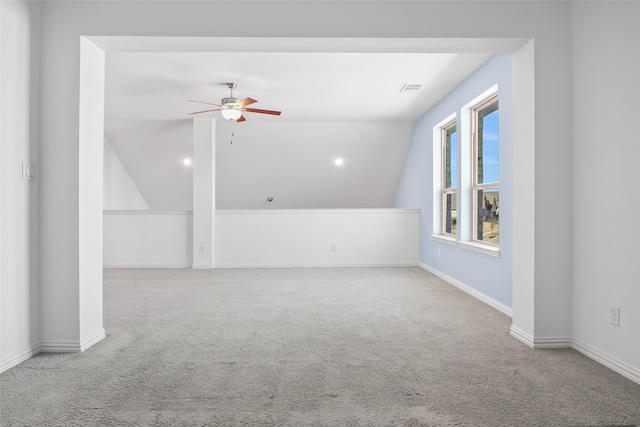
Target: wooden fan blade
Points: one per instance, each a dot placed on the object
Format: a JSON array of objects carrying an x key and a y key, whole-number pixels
[
  {"x": 241, "y": 119},
  {"x": 205, "y": 111},
  {"x": 257, "y": 110},
  {"x": 246, "y": 101},
  {"x": 202, "y": 102}
]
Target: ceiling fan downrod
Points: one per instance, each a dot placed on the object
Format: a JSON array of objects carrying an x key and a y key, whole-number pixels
[{"x": 230, "y": 100}]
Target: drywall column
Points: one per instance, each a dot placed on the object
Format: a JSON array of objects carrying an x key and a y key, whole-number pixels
[
  {"x": 204, "y": 199},
  {"x": 542, "y": 206},
  {"x": 91, "y": 133},
  {"x": 71, "y": 290},
  {"x": 523, "y": 177},
  {"x": 19, "y": 207}
]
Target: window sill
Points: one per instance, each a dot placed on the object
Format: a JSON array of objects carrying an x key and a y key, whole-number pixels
[
  {"x": 482, "y": 248},
  {"x": 447, "y": 240}
]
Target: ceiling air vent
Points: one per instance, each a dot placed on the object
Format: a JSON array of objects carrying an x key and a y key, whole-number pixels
[{"x": 410, "y": 88}]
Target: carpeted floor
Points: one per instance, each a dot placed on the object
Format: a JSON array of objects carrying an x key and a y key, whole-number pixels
[{"x": 308, "y": 347}]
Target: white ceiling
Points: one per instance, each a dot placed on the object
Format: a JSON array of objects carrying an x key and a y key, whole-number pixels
[
  {"x": 304, "y": 86},
  {"x": 334, "y": 102}
]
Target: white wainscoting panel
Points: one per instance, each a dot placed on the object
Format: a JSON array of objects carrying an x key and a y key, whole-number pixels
[
  {"x": 266, "y": 238},
  {"x": 317, "y": 237},
  {"x": 148, "y": 238}
]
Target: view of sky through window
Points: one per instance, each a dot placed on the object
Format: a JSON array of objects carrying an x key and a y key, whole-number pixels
[
  {"x": 490, "y": 147},
  {"x": 453, "y": 138}
]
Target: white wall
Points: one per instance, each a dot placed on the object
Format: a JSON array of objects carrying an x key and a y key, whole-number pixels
[
  {"x": 271, "y": 238},
  {"x": 524, "y": 181},
  {"x": 552, "y": 166},
  {"x": 119, "y": 191},
  {"x": 549, "y": 23},
  {"x": 19, "y": 216},
  {"x": 90, "y": 175},
  {"x": 315, "y": 237},
  {"x": 265, "y": 156},
  {"x": 489, "y": 275},
  {"x": 204, "y": 190},
  {"x": 606, "y": 198},
  {"x": 148, "y": 238}
]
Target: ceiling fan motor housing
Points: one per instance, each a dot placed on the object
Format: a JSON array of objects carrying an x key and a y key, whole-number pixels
[{"x": 230, "y": 102}]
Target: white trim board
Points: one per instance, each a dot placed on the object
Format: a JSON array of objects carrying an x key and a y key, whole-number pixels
[
  {"x": 265, "y": 265},
  {"x": 96, "y": 338},
  {"x": 19, "y": 358},
  {"x": 72, "y": 346},
  {"x": 52, "y": 347},
  {"x": 358, "y": 211},
  {"x": 148, "y": 212},
  {"x": 60, "y": 347},
  {"x": 468, "y": 289},
  {"x": 539, "y": 343},
  {"x": 147, "y": 266},
  {"x": 621, "y": 368},
  {"x": 317, "y": 264},
  {"x": 610, "y": 362}
]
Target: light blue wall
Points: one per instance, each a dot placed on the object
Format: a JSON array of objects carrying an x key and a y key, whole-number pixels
[{"x": 484, "y": 273}]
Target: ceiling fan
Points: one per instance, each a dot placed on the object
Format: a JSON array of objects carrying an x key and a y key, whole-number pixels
[{"x": 232, "y": 108}]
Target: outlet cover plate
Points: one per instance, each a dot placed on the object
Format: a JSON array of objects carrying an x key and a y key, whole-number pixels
[{"x": 614, "y": 315}]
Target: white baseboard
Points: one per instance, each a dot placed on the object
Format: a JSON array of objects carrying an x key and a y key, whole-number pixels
[
  {"x": 267, "y": 265},
  {"x": 468, "y": 289},
  {"x": 521, "y": 336},
  {"x": 19, "y": 358},
  {"x": 147, "y": 265},
  {"x": 610, "y": 362},
  {"x": 553, "y": 342},
  {"x": 53, "y": 347},
  {"x": 530, "y": 341},
  {"x": 60, "y": 347},
  {"x": 623, "y": 369},
  {"x": 93, "y": 339},
  {"x": 72, "y": 346},
  {"x": 317, "y": 264}
]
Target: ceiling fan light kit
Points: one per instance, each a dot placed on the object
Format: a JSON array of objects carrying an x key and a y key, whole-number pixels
[
  {"x": 231, "y": 112},
  {"x": 231, "y": 108}
]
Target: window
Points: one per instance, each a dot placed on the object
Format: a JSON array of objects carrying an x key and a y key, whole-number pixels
[
  {"x": 466, "y": 176},
  {"x": 485, "y": 172},
  {"x": 449, "y": 180}
]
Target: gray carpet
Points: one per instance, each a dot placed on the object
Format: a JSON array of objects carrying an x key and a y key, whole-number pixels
[{"x": 309, "y": 347}]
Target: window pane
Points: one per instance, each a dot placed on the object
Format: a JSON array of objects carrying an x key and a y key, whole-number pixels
[
  {"x": 488, "y": 225},
  {"x": 450, "y": 155},
  {"x": 487, "y": 149},
  {"x": 450, "y": 214}
]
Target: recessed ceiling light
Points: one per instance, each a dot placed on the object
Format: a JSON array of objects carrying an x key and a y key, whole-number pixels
[
  {"x": 187, "y": 161},
  {"x": 338, "y": 161}
]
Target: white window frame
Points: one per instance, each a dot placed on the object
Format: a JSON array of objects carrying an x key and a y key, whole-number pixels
[
  {"x": 444, "y": 190},
  {"x": 475, "y": 185},
  {"x": 464, "y": 194},
  {"x": 437, "y": 216}
]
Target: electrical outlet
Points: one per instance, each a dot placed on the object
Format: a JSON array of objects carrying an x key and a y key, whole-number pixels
[
  {"x": 333, "y": 247},
  {"x": 614, "y": 315},
  {"x": 201, "y": 249}
]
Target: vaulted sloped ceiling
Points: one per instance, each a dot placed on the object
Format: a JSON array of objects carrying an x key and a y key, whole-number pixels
[{"x": 334, "y": 104}]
